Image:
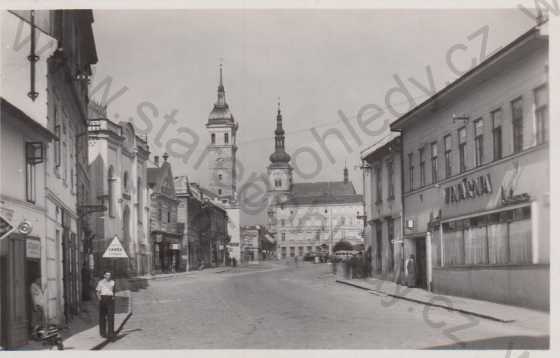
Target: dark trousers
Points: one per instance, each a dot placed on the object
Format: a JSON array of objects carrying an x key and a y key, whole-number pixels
[{"x": 107, "y": 316}]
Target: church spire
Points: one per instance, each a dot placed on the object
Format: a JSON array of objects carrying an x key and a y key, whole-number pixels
[
  {"x": 221, "y": 91},
  {"x": 279, "y": 156}
]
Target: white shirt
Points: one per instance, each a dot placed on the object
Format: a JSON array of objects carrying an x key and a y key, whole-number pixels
[
  {"x": 106, "y": 288},
  {"x": 37, "y": 294}
]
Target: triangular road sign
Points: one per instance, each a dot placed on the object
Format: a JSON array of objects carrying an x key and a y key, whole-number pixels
[
  {"x": 115, "y": 249},
  {"x": 5, "y": 227}
]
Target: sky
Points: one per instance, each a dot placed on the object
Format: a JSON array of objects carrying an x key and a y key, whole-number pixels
[{"x": 345, "y": 74}]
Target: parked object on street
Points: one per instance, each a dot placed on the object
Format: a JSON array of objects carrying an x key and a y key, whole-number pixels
[{"x": 49, "y": 336}]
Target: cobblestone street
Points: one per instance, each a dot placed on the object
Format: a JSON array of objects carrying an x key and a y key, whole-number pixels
[{"x": 278, "y": 306}]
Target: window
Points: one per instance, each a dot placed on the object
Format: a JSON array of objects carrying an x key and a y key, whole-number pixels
[
  {"x": 462, "y": 134},
  {"x": 140, "y": 199},
  {"x": 390, "y": 177},
  {"x": 220, "y": 177},
  {"x": 110, "y": 192},
  {"x": 125, "y": 181},
  {"x": 213, "y": 138},
  {"x": 478, "y": 142},
  {"x": 434, "y": 162},
  {"x": 30, "y": 179},
  {"x": 169, "y": 216},
  {"x": 226, "y": 138},
  {"x": 160, "y": 212},
  {"x": 283, "y": 222},
  {"x": 410, "y": 172},
  {"x": 379, "y": 242},
  {"x": 422, "y": 167},
  {"x": 378, "y": 187},
  {"x": 284, "y": 252},
  {"x": 278, "y": 182},
  {"x": 219, "y": 191},
  {"x": 64, "y": 162},
  {"x": 390, "y": 244},
  {"x": 283, "y": 236},
  {"x": 541, "y": 114},
  {"x": 517, "y": 123},
  {"x": 497, "y": 133},
  {"x": 292, "y": 251},
  {"x": 447, "y": 148},
  {"x": 300, "y": 250}
]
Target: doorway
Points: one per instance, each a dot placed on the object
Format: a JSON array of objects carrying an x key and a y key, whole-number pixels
[{"x": 421, "y": 277}]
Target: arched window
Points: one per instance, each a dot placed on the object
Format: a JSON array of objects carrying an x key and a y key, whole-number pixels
[{"x": 110, "y": 192}]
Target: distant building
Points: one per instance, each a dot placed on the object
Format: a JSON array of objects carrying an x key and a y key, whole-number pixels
[
  {"x": 309, "y": 217},
  {"x": 205, "y": 223},
  {"x": 118, "y": 174},
  {"x": 221, "y": 157},
  {"x": 476, "y": 179},
  {"x": 165, "y": 235},
  {"x": 382, "y": 197}
]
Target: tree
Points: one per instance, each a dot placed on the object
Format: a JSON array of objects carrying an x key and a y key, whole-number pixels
[{"x": 342, "y": 246}]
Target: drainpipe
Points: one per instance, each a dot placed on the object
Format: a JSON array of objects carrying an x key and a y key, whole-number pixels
[{"x": 401, "y": 150}]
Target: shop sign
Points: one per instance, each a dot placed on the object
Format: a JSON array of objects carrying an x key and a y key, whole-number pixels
[
  {"x": 468, "y": 189},
  {"x": 32, "y": 249},
  {"x": 173, "y": 246}
]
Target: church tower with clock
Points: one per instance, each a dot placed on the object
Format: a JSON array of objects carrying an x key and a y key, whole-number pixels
[{"x": 222, "y": 150}]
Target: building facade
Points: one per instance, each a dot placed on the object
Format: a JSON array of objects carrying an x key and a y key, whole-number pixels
[
  {"x": 165, "y": 236},
  {"x": 205, "y": 222},
  {"x": 477, "y": 217},
  {"x": 118, "y": 170},
  {"x": 49, "y": 86},
  {"x": 309, "y": 217},
  {"x": 382, "y": 197},
  {"x": 221, "y": 156}
]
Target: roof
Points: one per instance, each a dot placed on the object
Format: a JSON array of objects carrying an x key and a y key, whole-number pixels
[
  {"x": 489, "y": 62},
  {"x": 337, "y": 192},
  {"x": 388, "y": 139},
  {"x": 158, "y": 175},
  {"x": 25, "y": 119}
]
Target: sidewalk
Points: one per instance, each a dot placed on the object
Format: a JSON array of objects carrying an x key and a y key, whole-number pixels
[
  {"x": 82, "y": 333},
  {"x": 483, "y": 309}
]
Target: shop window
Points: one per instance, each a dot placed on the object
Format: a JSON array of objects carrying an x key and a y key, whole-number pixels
[
  {"x": 447, "y": 148},
  {"x": 541, "y": 114},
  {"x": 497, "y": 133},
  {"x": 422, "y": 167},
  {"x": 517, "y": 123},
  {"x": 462, "y": 134},
  {"x": 478, "y": 142}
]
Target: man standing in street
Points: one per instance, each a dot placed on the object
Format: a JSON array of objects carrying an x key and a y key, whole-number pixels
[{"x": 106, "y": 296}]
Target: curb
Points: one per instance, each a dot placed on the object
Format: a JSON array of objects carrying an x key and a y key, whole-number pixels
[{"x": 428, "y": 303}]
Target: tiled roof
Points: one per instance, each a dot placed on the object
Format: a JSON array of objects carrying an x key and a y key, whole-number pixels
[{"x": 324, "y": 193}]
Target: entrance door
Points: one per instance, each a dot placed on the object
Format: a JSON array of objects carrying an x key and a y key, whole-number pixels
[
  {"x": 15, "y": 292},
  {"x": 421, "y": 263}
]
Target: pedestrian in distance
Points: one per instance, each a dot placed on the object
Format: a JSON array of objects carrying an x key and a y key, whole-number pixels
[
  {"x": 411, "y": 271},
  {"x": 38, "y": 302},
  {"x": 106, "y": 296}
]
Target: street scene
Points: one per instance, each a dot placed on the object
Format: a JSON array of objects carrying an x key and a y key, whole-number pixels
[{"x": 275, "y": 179}]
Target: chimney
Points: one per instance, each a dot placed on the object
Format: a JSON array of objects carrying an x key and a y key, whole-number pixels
[{"x": 156, "y": 160}]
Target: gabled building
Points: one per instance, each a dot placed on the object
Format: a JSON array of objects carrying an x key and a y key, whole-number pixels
[
  {"x": 118, "y": 160},
  {"x": 165, "y": 236}
]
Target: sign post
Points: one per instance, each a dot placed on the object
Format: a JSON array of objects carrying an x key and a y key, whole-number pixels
[{"x": 115, "y": 250}]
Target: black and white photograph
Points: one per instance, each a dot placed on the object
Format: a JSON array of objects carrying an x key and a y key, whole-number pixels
[{"x": 308, "y": 175}]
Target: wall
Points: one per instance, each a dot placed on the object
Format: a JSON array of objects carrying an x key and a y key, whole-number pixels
[{"x": 526, "y": 286}]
